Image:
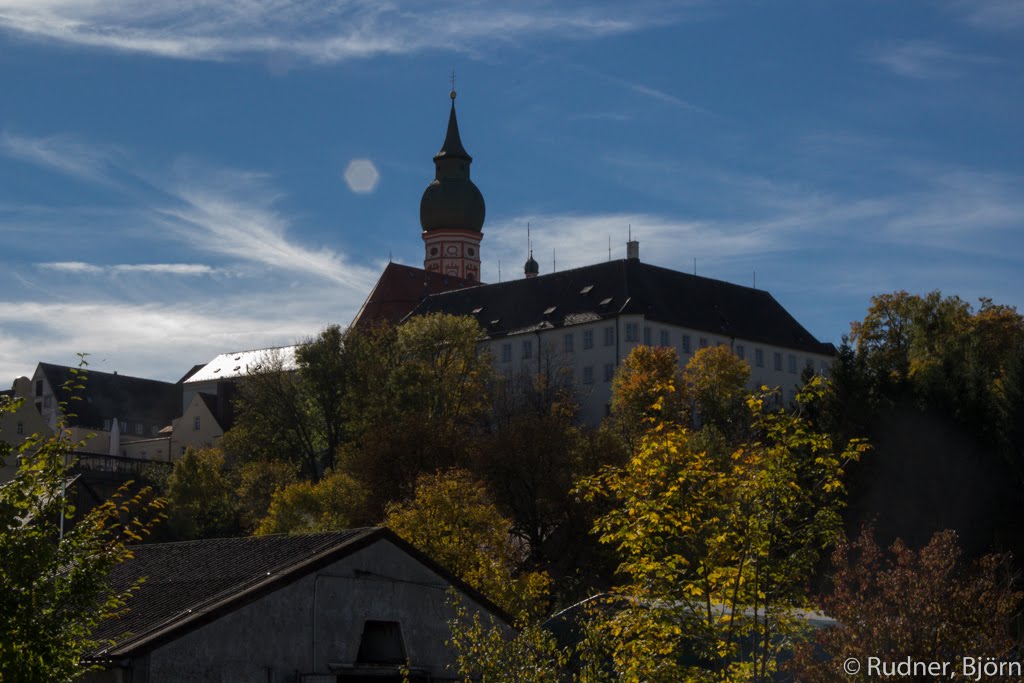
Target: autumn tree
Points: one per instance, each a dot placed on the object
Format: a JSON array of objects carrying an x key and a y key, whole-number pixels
[
  {"x": 331, "y": 504},
  {"x": 717, "y": 546},
  {"x": 929, "y": 604},
  {"x": 452, "y": 519},
  {"x": 54, "y": 564},
  {"x": 646, "y": 387}
]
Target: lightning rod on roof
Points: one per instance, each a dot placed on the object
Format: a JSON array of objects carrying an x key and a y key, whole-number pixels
[
  {"x": 554, "y": 263},
  {"x": 609, "y": 247},
  {"x": 694, "y": 265},
  {"x": 499, "y": 270},
  {"x": 755, "y": 279}
]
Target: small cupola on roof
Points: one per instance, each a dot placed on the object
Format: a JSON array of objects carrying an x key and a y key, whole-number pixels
[
  {"x": 532, "y": 268},
  {"x": 452, "y": 210}
]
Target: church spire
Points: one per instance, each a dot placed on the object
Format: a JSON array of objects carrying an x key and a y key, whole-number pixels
[
  {"x": 452, "y": 147},
  {"x": 452, "y": 209}
]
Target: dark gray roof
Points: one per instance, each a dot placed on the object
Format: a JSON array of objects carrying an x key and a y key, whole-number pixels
[
  {"x": 192, "y": 583},
  {"x": 107, "y": 395},
  {"x": 627, "y": 286}
]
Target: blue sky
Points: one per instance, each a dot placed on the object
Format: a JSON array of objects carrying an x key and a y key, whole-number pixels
[{"x": 172, "y": 174}]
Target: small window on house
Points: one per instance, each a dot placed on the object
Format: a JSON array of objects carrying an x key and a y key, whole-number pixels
[
  {"x": 39, "y": 406},
  {"x": 609, "y": 336},
  {"x": 138, "y": 428},
  {"x": 632, "y": 332},
  {"x": 759, "y": 357},
  {"x": 528, "y": 348},
  {"x": 741, "y": 352},
  {"x": 588, "y": 374},
  {"x": 605, "y": 302},
  {"x": 824, "y": 368},
  {"x": 568, "y": 343},
  {"x": 588, "y": 339},
  {"x": 685, "y": 343},
  {"x": 39, "y": 387},
  {"x": 703, "y": 342},
  {"x": 549, "y": 310},
  {"x": 107, "y": 425},
  {"x": 586, "y": 290},
  {"x": 381, "y": 643},
  {"x": 609, "y": 372},
  {"x": 47, "y": 401},
  {"x": 647, "y": 336},
  {"x": 663, "y": 338},
  {"x": 506, "y": 353},
  {"x": 477, "y": 311},
  {"x": 810, "y": 364},
  {"x": 778, "y": 361},
  {"x": 792, "y": 363},
  {"x": 20, "y": 429},
  {"x": 196, "y": 423}
]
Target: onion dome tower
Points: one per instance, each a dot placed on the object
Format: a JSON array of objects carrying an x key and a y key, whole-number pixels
[
  {"x": 452, "y": 211},
  {"x": 532, "y": 268}
]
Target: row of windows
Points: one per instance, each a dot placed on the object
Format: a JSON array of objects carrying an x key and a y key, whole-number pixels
[
  {"x": 664, "y": 339},
  {"x": 125, "y": 427}
]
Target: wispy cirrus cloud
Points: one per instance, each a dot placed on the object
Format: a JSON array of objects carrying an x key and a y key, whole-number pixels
[
  {"x": 316, "y": 31},
  {"x": 925, "y": 60},
  {"x": 62, "y": 153},
  {"x": 994, "y": 15},
  {"x": 225, "y": 212},
  {"x": 80, "y": 267}
]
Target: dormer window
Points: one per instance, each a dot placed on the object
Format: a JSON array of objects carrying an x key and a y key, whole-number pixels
[{"x": 381, "y": 643}]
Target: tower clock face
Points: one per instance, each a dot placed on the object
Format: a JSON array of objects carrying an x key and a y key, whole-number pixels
[
  {"x": 471, "y": 251},
  {"x": 433, "y": 251},
  {"x": 452, "y": 250}
]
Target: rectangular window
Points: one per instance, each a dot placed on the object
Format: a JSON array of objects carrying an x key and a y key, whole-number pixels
[
  {"x": 792, "y": 363},
  {"x": 631, "y": 332},
  {"x": 20, "y": 429},
  {"x": 106, "y": 425},
  {"x": 824, "y": 368},
  {"x": 778, "y": 361},
  {"x": 609, "y": 371},
  {"x": 810, "y": 364},
  {"x": 138, "y": 428},
  {"x": 528, "y": 349},
  {"x": 703, "y": 342},
  {"x": 588, "y": 339},
  {"x": 588, "y": 374},
  {"x": 506, "y": 353},
  {"x": 663, "y": 338},
  {"x": 609, "y": 336},
  {"x": 39, "y": 387},
  {"x": 195, "y": 423},
  {"x": 568, "y": 343},
  {"x": 686, "y": 343},
  {"x": 759, "y": 357},
  {"x": 648, "y": 340},
  {"x": 741, "y": 352},
  {"x": 46, "y": 401}
]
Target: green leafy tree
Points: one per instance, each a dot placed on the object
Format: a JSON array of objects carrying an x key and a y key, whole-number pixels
[
  {"x": 54, "y": 565},
  {"x": 452, "y": 519},
  {"x": 294, "y": 414},
  {"x": 419, "y": 403},
  {"x": 718, "y": 544},
  {"x": 201, "y": 498},
  {"x": 333, "y": 503},
  {"x": 928, "y": 604},
  {"x": 936, "y": 384}
]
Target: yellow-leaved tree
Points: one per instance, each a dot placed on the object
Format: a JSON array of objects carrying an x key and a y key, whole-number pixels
[{"x": 717, "y": 537}]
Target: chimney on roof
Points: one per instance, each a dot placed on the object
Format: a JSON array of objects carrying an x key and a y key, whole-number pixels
[{"x": 633, "y": 249}]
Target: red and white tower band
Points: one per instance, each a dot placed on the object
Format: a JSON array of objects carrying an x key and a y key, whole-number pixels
[{"x": 452, "y": 211}]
